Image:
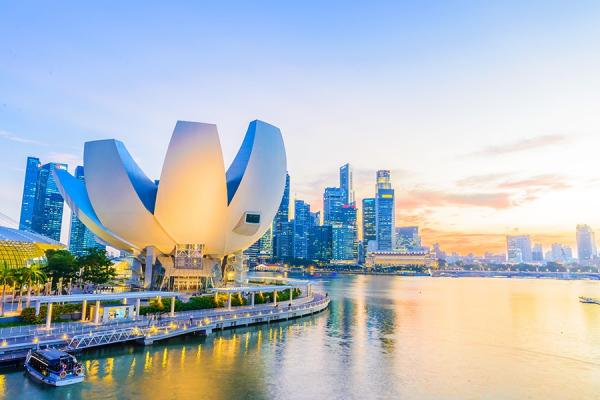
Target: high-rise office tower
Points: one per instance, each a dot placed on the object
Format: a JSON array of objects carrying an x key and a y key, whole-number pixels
[
  {"x": 316, "y": 218},
  {"x": 80, "y": 237},
  {"x": 32, "y": 170},
  {"x": 518, "y": 248},
  {"x": 586, "y": 243},
  {"x": 333, "y": 200},
  {"x": 349, "y": 219},
  {"x": 408, "y": 239},
  {"x": 537, "y": 253},
  {"x": 320, "y": 244},
  {"x": 383, "y": 179},
  {"x": 281, "y": 217},
  {"x": 260, "y": 251},
  {"x": 346, "y": 183},
  {"x": 48, "y": 210},
  {"x": 302, "y": 224},
  {"x": 560, "y": 253},
  {"x": 384, "y": 212},
  {"x": 369, "y": 231},
  {"x": 285, "y": 241}
]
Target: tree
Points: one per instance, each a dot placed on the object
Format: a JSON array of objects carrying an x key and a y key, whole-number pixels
[
  {"x": 18, "y": 278},
  {"x": 32, "y": 274},
  {"x": 60, "y": 264},
  {"x": 95, "y": 266},
  {"x": 6, "y": 278}
]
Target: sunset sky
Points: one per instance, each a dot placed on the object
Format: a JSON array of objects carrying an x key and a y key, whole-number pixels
[{"x": 488, "y": 115}]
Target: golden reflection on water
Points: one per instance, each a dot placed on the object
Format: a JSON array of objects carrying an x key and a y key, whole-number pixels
[
  {"x": 148, "y": 362},
  {"x": 381, "y": 338},
  {"x": 132, "y": 368}
]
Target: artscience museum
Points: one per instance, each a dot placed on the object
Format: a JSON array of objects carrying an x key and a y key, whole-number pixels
[{"x": 188, "y": 228}]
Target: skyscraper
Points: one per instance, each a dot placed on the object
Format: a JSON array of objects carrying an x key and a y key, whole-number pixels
[
  {"x": 537, "y": 253},
  {"x": 32, "y": 171},
  {"x": 349, "y": 218},
  {"x": 80, "y": 237},
  {"x": 346, "y": 183},
  {"x": 384, "y": 212},
  {"x": 281, "y": 217},
  {"x": 342, "y": 243},
  {"x": 302, "y": 224},
  {"x": 48, "y": 210},
  {"x": 316, "y": 218},
  {"x": 261, "y": 250},
  {"x": 320, "y": 244},
  {"x": 408, "y": 239},
  {"x": 586, "y": 243},
  {"x": 333, "y": 200},
  {"x": 285, "y": 242},
  {"x": 368, "y": 221},
  {"x": 560, "y": 253},
  {"x": 518, "y": 248}
]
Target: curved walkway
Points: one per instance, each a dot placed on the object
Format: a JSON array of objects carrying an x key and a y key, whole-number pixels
[{"x": 25, "y": 337}]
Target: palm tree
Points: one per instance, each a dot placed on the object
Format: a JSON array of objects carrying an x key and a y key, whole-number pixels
[
  {"x": 18, "y": 275},
  {"x": 5, "y": 279},
  {"x": 31, "y": 275}
]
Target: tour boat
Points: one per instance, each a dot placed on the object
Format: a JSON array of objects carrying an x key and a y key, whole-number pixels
[
  {"x": 54, "y": 367},
  {"x": 588, "y": 300}
]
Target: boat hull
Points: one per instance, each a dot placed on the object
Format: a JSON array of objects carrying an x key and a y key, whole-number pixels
[{"x": 51, "y": 380}]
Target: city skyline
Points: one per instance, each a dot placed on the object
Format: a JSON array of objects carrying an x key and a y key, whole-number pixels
[{"x": 483, "y": 134}]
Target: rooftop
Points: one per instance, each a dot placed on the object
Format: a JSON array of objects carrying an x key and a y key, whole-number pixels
[
  {"x": 102, "y": 296},
  {"x": 15, "y": 235}
]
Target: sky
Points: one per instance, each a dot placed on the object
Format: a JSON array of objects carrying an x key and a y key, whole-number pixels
[{"x": 487, "y": 113}]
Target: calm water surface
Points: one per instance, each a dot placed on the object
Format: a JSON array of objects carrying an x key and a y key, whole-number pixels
[{"x": 382, "y": 338}]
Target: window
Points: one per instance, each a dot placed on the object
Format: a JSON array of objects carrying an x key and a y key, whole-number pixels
[{"x": 252, "y": 218}]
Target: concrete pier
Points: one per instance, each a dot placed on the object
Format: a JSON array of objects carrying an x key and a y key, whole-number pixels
[{"x": 82, "y": 335}]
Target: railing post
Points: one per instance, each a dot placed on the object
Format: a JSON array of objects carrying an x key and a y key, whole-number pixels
[
  {"x": 83, "y": 310},
  {"x": 137, "y": 308},
  {"x": 49, "y": 316},
  {"x": 97, "y": 313}
]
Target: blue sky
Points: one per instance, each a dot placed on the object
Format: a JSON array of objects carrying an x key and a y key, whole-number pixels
[{"x": 486, "y": 112}]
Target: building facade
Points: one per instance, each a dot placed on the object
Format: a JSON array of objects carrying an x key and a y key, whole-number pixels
[
  {"x": 302, "y": 223},
  {"x": 80, "y": 237},
  {"x": 49, "y": 203},
  {"x": 32, "y": 171},
  {"x": 586, "y": 244},
  {"x": 394, "y": 259},
  {"x": 281, "y": 217},
  {"x": 193, "y": 225},
  {"x": 384, "y": 212},
  {"x": 320, "y": 246},
  {"x": 408, "y": 239},
  {"x": 369, "y": 223},
  {"x": 537, "y": 253},
  {"x": 346, "y": 183},
  {"x": 20, "y": 248},
  {"x": 333, "y": 200},
  {"x": 260, "y": 251},
  {"x": 518, "y": 249}
]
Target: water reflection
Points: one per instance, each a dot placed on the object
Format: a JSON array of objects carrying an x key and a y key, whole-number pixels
[{"x": 416, "y": 338}]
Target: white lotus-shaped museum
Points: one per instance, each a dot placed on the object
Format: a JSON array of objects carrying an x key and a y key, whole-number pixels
[{"x": 195, "y": 202}]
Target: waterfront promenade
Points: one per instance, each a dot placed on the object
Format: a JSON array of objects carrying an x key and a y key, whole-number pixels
[{"x": 15, "y": 341}]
